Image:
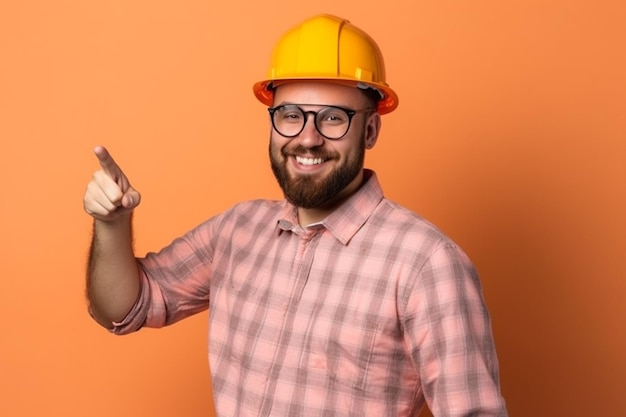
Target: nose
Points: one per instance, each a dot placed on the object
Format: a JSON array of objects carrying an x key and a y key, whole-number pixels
[{"x": 310, "y": 137}]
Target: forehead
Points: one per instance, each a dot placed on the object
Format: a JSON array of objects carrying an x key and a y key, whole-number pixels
[{"x": 317, "y": 92}]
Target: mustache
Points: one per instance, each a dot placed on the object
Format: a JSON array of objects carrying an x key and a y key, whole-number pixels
[{"x": 309, "y": 152}]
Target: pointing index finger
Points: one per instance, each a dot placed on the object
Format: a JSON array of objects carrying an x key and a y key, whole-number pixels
[{"x": 107, "y": 163}]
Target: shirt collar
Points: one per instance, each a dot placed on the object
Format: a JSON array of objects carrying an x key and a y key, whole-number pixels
[{"x": 348, "y": 218}]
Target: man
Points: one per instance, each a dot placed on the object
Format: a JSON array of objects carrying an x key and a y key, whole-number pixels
[{"x": 335, "y": 301}]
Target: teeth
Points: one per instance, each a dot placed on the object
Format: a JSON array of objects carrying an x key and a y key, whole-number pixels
[{"x": 309, "y": 161}]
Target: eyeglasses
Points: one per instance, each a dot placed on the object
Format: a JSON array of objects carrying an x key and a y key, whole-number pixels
[{"x": 332, "y": 122}]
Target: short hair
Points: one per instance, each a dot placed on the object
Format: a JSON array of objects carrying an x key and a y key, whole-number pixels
[{"x": 372, "y": 95}]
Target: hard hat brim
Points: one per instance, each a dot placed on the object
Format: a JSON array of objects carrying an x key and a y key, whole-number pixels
[{"x": 264, "y": 91}]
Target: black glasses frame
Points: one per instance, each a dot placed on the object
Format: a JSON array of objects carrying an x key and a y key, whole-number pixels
[{"x": 305, "y": 113}]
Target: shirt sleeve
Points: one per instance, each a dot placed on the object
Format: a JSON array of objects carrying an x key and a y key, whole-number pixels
[
  {"x": 175, "y": 283},
  {"x": 448, "y": 330}
]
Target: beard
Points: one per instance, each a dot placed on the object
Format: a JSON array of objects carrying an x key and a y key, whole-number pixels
[{"x": 314, "y": 191}]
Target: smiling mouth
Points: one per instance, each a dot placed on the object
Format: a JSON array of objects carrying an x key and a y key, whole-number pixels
[{"x": 309, "y": 161}]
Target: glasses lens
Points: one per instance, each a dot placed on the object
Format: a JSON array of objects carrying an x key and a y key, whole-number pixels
[
  {"x": 288, "y": 120},
  {"x": 332, "y": 122}
]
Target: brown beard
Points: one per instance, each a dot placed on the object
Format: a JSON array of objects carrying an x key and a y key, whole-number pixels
[{"x": 309, "y": 191}]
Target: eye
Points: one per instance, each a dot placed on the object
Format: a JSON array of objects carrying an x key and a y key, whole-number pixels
[
  {"x": 333, "y": 116},
  {"x": 290, "y": 114}
]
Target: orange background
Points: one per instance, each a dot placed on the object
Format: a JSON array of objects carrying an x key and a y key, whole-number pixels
[{"x": 510, "y": 136}]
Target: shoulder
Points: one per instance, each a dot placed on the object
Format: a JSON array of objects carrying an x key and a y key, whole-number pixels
[
  {"x": 250, "y": 210},
  {"x": 404, "y": 225},
  {"x": 419, "y": 245},
  {"x": 256, "y": 208},
  {"x": 236, "y": 225},
  {"x": 440, "y": 276},
  {"x": 246, "y": 214}
]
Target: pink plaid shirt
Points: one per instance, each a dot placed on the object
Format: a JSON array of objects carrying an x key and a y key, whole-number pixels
[{"x": 372, "y": 312}]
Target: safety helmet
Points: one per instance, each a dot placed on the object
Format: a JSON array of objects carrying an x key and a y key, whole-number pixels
[{"x": 328, "y": 48}]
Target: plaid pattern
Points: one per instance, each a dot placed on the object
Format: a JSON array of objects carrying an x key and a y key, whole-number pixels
[{"x": 369, "y": 313}]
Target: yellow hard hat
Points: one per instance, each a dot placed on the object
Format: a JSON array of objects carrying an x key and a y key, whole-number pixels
[{"x": 328, "y": 48}]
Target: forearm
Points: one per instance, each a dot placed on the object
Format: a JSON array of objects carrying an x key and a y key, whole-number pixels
[{"x": 112, "y": 274}]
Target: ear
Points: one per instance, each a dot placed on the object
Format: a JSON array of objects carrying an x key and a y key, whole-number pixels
[{"x": 372, "y": 129}]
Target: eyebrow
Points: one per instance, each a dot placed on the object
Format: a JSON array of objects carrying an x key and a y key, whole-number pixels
[{"x": 289, "y": 103}]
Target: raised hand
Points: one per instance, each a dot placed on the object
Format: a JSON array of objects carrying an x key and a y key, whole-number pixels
[{"x": 109, "y": 193}]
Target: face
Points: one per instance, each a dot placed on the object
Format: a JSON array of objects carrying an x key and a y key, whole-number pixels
[{"x": 315, "y": 172}]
